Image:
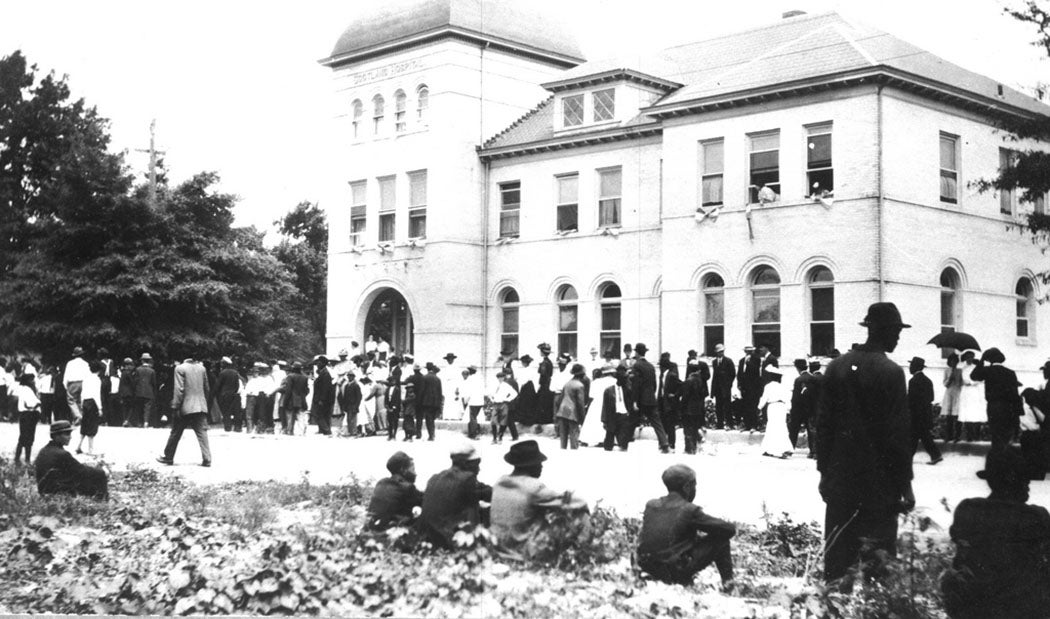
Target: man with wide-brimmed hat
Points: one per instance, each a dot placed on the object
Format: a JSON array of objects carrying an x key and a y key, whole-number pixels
[
  {"x": 1005, "y": 407},
  {"x": 73, "y": 379},
  {"x": 920, "y": 405},
  {"x": 453, "y": 497},
  {"x": 146, "y": 393},
  {"x": 394, "y": 497},
  {"x": 749, "y": 384},
  {"x": 520, "y": 500},
  {"x": 58, "y": 472},
  {"x": 643, "y": 383},
  {"x": 865, "y": 450}
]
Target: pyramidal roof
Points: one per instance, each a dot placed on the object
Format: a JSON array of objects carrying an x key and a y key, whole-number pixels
[{"x": 502, "y": 22}]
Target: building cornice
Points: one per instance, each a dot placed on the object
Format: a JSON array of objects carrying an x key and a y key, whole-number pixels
[
  {"x": 576, "y": 140},
  {"x": 451, "y": 32},
  {"x": 879, "y": 75},
  {"x": 613, "y": 75}
]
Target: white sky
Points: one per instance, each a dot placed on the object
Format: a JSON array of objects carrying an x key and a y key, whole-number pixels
[{"x": 235, "y": 86}]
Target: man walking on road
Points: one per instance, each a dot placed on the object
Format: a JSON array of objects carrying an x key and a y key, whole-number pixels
[
  {"x": 865, "y": 449},
  {"x": 190, "y": 407},
  {"x": 644, "y": 385}
]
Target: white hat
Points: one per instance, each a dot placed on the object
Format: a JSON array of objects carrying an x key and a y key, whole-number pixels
[{"x": 465, "y": 451}]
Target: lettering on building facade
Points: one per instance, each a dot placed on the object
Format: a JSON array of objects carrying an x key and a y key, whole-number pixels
[{"x": 381, "y": 73}]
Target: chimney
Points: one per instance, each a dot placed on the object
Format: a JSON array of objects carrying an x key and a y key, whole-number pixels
[{"x": 792, "y": 13}]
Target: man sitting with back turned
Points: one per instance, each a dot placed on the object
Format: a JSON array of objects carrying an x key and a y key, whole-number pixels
[
  {"x": 678, "y": 539},
  {"x": 58, "y": 472},
  {"x": 453, "y": 498},
  {"x": 394, "y": 497}
]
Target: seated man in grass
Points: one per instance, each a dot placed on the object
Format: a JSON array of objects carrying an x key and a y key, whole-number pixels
[
  {"x": 678, "y": 539},
  {"x": 394, "y": 497},
  {"x": 453, "y": 498},
  {"x": 1002, "y": 547},
  {"x": 58, "y": 472}
]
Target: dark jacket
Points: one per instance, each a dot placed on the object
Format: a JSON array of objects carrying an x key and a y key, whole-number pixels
[
  {"x": 670, "y": 524},
  {"x": 669, "y": 384},
  {"x": 413, "y": 387},
  {"x": 1000, "y": 389},
  {"x": 451, "y": 499},
  {"x": 693, "y": 396},
  {"x": 865, "y": 448},
  {"x": 431, "y": 396},
  {"x": 545, "y": 372},
  {"x": 58, "y": 472},
  {"x": 722, "y": 375},
  {"x": 127, "y": 384},
  {"x": 572, "y": 401},
  {"x": 392, "y": 503},
  {"x": 920, "y": 397},
  {"x": 802, "y": 397},
  {"x": 296, "y": 387},
  {"x": 609, "y": 414},
  {"x": 350, "y": 397},
  {"x": 644, "y": 382},
  {"x": 749, "y": 375},
  {"x": 227, "y": 383},
  {"x": 324, "y": 393},
  {"x": 145, "y": 382}
]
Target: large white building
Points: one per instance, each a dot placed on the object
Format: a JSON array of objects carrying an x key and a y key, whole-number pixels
[{"x": 764, "y": 186}]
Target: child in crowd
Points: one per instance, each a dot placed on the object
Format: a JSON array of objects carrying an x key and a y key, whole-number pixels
[{"x": 28, "y": 415}]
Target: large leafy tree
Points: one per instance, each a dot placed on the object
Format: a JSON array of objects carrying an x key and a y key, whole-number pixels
[{"x": 303, "y": 250}]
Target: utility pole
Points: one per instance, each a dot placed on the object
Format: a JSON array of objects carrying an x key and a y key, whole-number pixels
[{"x": 153, "y": 152}]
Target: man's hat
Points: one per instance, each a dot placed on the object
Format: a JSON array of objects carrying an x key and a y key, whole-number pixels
[
  {"x": 259, "y": 365},
  {"x": 1045, "y": 365},
  {"x": 720, "y": 348},
  {"x": 298, "y": 365},
  {"x": 431, "y": 367},
  {"x": 749, "y": 348},
  {"x": 641, "y": 348},
  {"x": 473, "y": 369},
  {"x": 226, "y": 360},
  {"x": 577, "y": 370},
  {"x": 525, "y": 453},
  {"x": 464, "y": 451},
  {"x": 665, "y": 355},
  {"x": 918, "y": 361},
  {"x": 282, "y": 363},
  {"x": 344, "y": 352},
  {"x": 609, "y": 370},
  {"x": 525, "y": 359},
  {"x": 450, "y": 357},
  {"x": 398, "y": 462},
  {"x": 594, "y": 350},
  {"x": 145, "y": 357},
  {"x": 993, "y": 355},
  {"x": 884, "y": 315},
  {"x": 814, "y": 366},
  {"x": 102, "y": 352},
  {"x": 78, "y": 352},
  {"x": 320, "y": 359},
  {"x": 409, "y": 358},
  {"x": 544, "y": 347},
  {"x": 128, "y": 361},
  {"x": 60, "y": 427},
  {"x": 691, "y": 353},
  {"x": 800, "y": 364}
]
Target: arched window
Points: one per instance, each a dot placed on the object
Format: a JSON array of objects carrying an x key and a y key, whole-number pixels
[
  {"x": 609, "y": 337},
  {"x": 949, "y": 304},
  {"x": 714, "y": 313},
  {"x": 1025, "y": 292},
  {"x": 359, "y": 112},
  {"x": 821, "y": 311},
  {"x": 377, "y": 113},
  {"x": 567, "y": 320},
  {"x": 422, "y": 103},
  {"x": 400, "y": 102},
  {"x": 509, "y": 307},
  {"x": 765, "y": 308}
]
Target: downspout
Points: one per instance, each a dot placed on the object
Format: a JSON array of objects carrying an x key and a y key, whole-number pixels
[
  {"x": 485, "y": 271},
  {"x": 882, "y": 197}
]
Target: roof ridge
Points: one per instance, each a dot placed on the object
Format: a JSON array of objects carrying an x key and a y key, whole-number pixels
[
  {"x": 855, "y": 44},
  {"x": 518, "y": 122},
  {"x": 768, "y": 26}
]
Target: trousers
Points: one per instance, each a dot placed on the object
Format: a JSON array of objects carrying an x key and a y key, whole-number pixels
[
  {"x": 198, "y": 422},
  {"x": 680, "y": 565},
  {"x": 649, "y": 413},
  {"x": 855, "y": 535}
]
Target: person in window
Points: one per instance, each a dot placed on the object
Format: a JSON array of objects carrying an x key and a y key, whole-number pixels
[
  {"x": 1002, "y": 548},
  {"x": 678, "y": 539},
  {"x": 950, "y": 403},
  {"x": 1004, "y": 405}
]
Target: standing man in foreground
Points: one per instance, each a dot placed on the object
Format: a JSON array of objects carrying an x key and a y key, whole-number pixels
[
  {"x": 865, "y": 449},
  {"x": 190, "y": 408}
]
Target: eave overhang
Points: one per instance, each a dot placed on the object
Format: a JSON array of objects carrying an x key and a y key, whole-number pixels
[
  {"x": 613, "y": 75},
  {"x": 576, "y": 140}
]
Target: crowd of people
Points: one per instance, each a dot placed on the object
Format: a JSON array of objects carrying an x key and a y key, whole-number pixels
[{"x": 863, "y": 420}]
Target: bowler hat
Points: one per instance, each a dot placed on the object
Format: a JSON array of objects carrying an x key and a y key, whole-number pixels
[
  {"x": 524, "y": 453},
  {"x": 320, "y": 359},
  {"x": 918, "y": 361},
  {"x": 450, "y": 357},
  {"x": 1045, "y": 365},
  {"x": 544, "y": 347},
  {"x": 60, "y": 427},
  {"x": 525, "y": 359},
  {"x": 800, "y": 364},
  {"x": 473, "y": 369},
  {"x": 884, "y": 314},
  {"x": 78, "y": 352},
  {"x": 993, "y": 355},
  {"x": 431, "y": 367},
  {"x": 641, "y": 348}
]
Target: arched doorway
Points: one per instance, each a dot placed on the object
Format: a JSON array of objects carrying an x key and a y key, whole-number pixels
[{"x": 389, "y": 317}]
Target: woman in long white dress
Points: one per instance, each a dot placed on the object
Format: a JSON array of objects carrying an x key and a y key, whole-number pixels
[
  {"x": 973, "y": 410},
  {"x": 775, "y": 397},
  {"x": 950, "y": 403},
  {"x": 592, "y": 433}
]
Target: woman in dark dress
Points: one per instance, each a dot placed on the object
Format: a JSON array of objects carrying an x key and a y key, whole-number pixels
[
  {"x": 544, "y": 407},
  {"x": 524, "y": 409}
]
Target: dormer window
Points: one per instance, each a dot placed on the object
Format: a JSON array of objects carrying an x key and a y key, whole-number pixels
[
  {"x": 604, "y": 103},
  {"x": 572, "y": 110}
]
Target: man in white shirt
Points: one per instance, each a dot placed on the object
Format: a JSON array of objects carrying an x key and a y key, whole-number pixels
[
  {"x": 501, "y": 399},
  {"x": 383, "y": 348},
  {"x": 278, "y": 373},
  {"x": 473, "y": 396},
  {"x": 453, "y": 381},
  {"x": 259, "y": 389},
  {"x": 73, "y": 380}
]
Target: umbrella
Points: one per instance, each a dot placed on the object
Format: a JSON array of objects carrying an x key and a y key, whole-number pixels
[{"x": 955, "y": 339}]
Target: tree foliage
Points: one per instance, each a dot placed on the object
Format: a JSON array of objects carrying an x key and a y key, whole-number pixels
[{"x": 303, "y": 250}]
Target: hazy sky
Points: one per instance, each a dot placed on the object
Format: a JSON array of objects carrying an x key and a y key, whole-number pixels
[{"x": 236, "y": 88}]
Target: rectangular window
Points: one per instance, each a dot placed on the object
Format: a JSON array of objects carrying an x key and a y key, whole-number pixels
[
  {"x": 609, "y": 337},
  {"x": 712, "y": 157},
  {"x": 387, "y": 204},
  {"x": 949, "y": 168},
  {"x": 572, "y": 111},
  {"x": 1007, "y": 197},
  {"x": 567, "y": 329},
  {"x": 510, "y": 209},
  {"x": 417, "y": 204},
  {"x": 358, "y": 192},
  {"x": 822, "y": 326},
  {"x": 568, "y": 202},
  {"x": 604, "y": 102},
  {"x": 764, "y": 162},
  {"x": 399, "y": 113},
  {"x": 820, "y": 176},
  {"x": 765, "y": 328},
  {"x": 509, "y": 338},
  {"x": 714, "y": 320},
  {"x": 609, "y": 190}
]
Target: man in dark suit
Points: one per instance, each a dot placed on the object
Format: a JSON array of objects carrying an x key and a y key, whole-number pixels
[
  {"x": 801, "y": 402},
  {"x": 349, "y": 399},
  {"x": 412, "y": 386},
  {"x": 58, "y": 472},
  {"x": 189, "y": 409},
  {"x": 395, "y": 497},
  {"x": 295, "y": 387},
  {"x": 865, "y": 450},
  {"x": 644, "y": 386},
  {"x": 226, "y": 392},
  {"x": 323, "y": 397},
  {"x": 617, "y": 411},
  {"x": 453, "y": 497},
  {"x": 146, "y": 393},
  {"x": 692, "y": 407},
  {"x": 667, "y": 386},
  {"x": 1000, "y": 390},
  {"x": 431, "y": 398},
  {"x": 920, "y": 405},
  {"x": 722, "y": 375},
  {"x": 749, "y": 381}
]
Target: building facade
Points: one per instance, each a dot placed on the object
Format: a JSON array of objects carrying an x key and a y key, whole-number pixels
[{"x": 763, "y": 187}]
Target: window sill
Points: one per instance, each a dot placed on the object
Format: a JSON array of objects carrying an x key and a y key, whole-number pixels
[{"x": 1026, "y": 342}]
